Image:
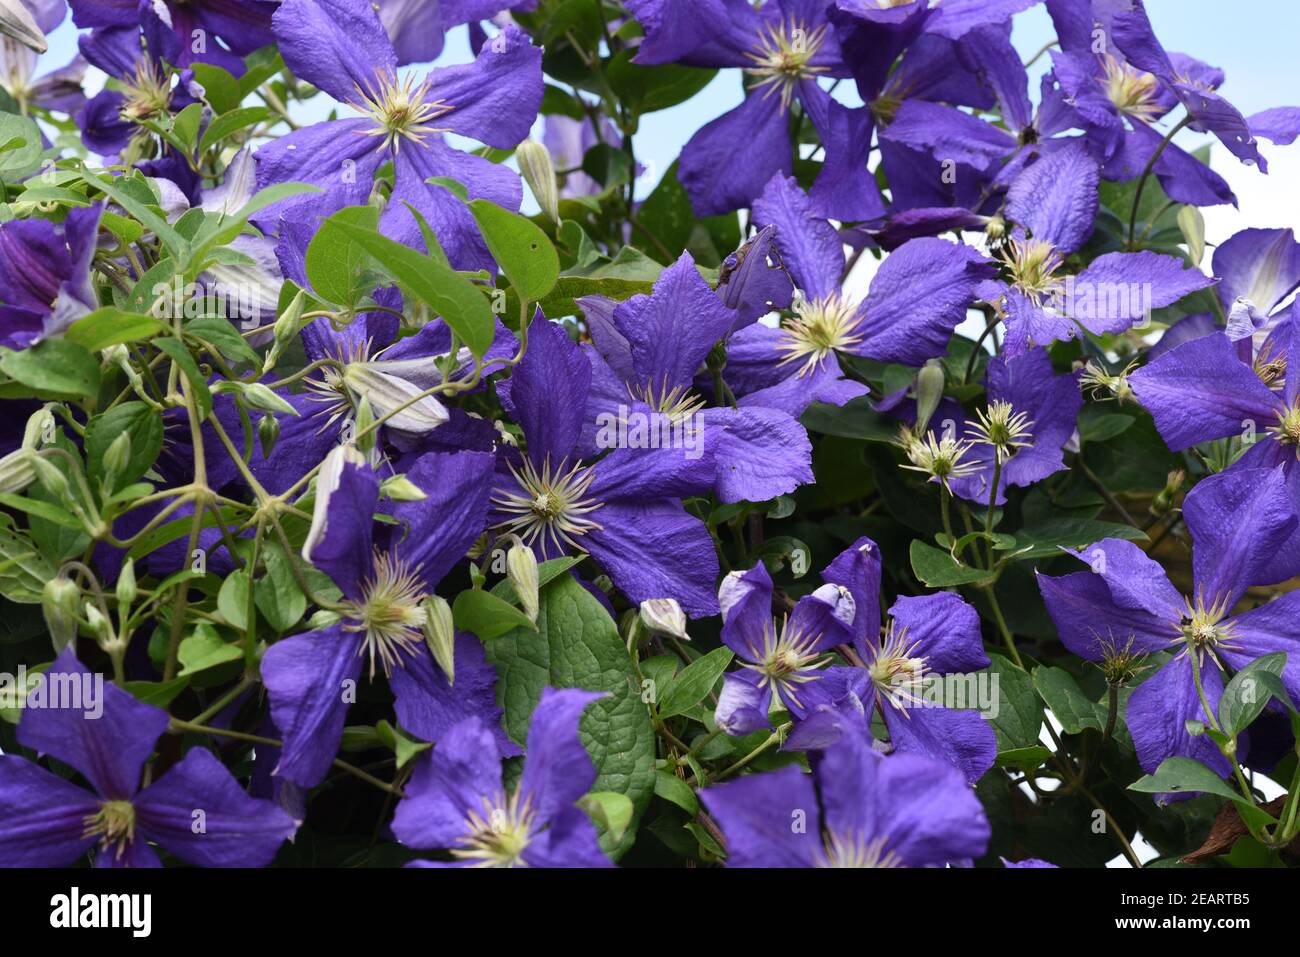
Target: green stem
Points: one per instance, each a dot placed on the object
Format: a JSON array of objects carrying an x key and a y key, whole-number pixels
[{"x": 1146, "y": 173}]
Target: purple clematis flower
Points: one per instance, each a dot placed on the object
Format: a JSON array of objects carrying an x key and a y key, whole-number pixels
[
  {"x": 1040, "y": 407},
  {"x": 456, "y": 799},
  {"x": 787, "y": 46},
  {"x": 857, "y": 809},
  {"x": 311, "y": 678},
  {"x": 220, "y": 32},
  {"x": 45, "y": 276},
  {"x": 647, "y": 353},
  {"x": 924, "y": 639},
  {"x": 46, "y": 821},
  {"x": 625, "y": 508},
  {"x": 1240, "y": 521},
  {"x": 919, "y": 295},
  {"x": 785, "y": 660},
  {"x": 1193, "y": 84},
  {"x": 341, "y": 47},
  {"x": 1052, "y": 205},
  {"x": 1210, "y": 387}
]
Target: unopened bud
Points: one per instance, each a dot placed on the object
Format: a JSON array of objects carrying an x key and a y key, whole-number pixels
[
  {"x": 440, "y": 635},
  {"x": 264, "y": 399},
  {"x": 401, "y": 489},
  {"x": 286, "y": 330},
  {"x": 665, "y": 616},
  {"x": 385, "y": 394},
  {"x": 118, "y": 456},
  {"x": 363, "y": 426},
  {"x": 99, "y": 625},
  {"x": 521, "y": 571},
  {"x": 17, "y": 471},
  {"x": 1164, "y": 500},
  {"x": 40, "y": 428},
  {"x": 55, "y": 482},
  {"x": 929, "y": 390},
  {"x": 539, "y": 173},
  {"x": 126, "y": 590},
  {"x": 268, "y": 432},
  {"x": 60, "y": 599}
]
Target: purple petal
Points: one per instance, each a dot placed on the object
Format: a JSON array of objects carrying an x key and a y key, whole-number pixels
[
  {"x": 42, "y": 817},
  {"x": 961, "y": 739},
  {"x": 1087, "y": 618},
  {"x": 657, "y": 550},
  {"x": 1238, "y": 520},
  {"x": 339, "y": 542},
  {"x": 548, "y": 393},
  {"x": 918, "y": 297},
  {"x": 311, "y": 680},
  {"x": 944, "y": 630},
  {"x": 336, "y": 45},
  {"x": 441, "y": 528},
  {"x": 1056, "y": 198},
  {"x": 1281, "y": 124},
  {"x": 429, "y": 707},
  {"x": 463, "y": 770},
  {"x": 1270, "y": 628},
  {"x": 857, "y": 568},
  {"x": 557, "y": 769},
  {"x": 758, "y": 815},
  {"x": 726, "y": 164},
  {"x": 1151, "y": 281},
  {"x": 1134, "y": 579},
  {"x": 745, "y": 599},
  {"x": 1201, "y": 390},
  {"x": 495, "y": 99},
  {"x": 760, "y": 453},
  {"x": 1262, "y": 265},
  {"x": 201, "y": 814},
  {"x": 743, "y": 705},
  {"x": 809, "y": 246},
  {"x": 1159, "y": 709},
  {"x": 92, "y": 725}
]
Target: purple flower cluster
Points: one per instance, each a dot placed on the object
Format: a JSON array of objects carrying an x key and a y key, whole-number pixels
[{"x": 511, "y": 479}]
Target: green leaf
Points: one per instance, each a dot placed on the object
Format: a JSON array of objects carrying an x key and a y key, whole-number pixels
[
  {"x": 611, "y": 811},
  {"x": 649, "y": 88},
  {"x": 54, "y": 367},
  {"x": 220, "y": 333},
  {"x": 337, "y": 266},
  {"x": 232, "y": 122},
  {"x": 176, "y": 351},
  {"x": 486, "y": 615},
  {"x": 232, "y": 599},
  {"x": 1245, "y": 696},
  {"x": 220, "y": 89},
  {"x": 695, "y": 681},
  {"x": 23, "y": 571},
  {"x": 1019, "y": 716},
  {"x": 672, "y": 788},
  {"x": 20, "y": 145},
  {"x": 1025, "y": 759},
  {"x": 1179, "y": 775},
  {"x": 110, "y": 326},
  {"x": 454, "y": 298},
  {"x": 204, "y": 649},
  {"x": 1044, "y": 541},
  {"x": 520, "y": 247},
  {"x": 158, "y": 693},
  {"x": 137, "y": 420},
  {"x": 1071, "y": 706},
  {"x": 937, "y": 568},
  {"x": 118, "y": 191},
  {"x": 578, "y": 646},
  {"x": 276, "y": 594}
]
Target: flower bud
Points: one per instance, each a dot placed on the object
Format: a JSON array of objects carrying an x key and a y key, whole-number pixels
[
  {"x": 401, "y": 489},
  {"x": 126, "y": 590},
  {"x": 286, "y": 330},
  {"x": 440, "y": 635},
  {"x": 268, "y": 432},
  {"x": 539, "y": 173},
  {"x": 55, "y": 482},
  {"x": 260, "y": 397},
  {"x": 665, "y": 616},
  {"x": 99, "y": 625},
  {"x": 521, "y": 571},
  {"x": 1164, "y": 500},
  {"x": 40, "y": 427},
  {"x": 17, "y": 471},
  {"x": 59, "y": 601},
  {"x": 118, "y": 455},
  {"x": 929, "y": 390},
  {"x": 385, "y": 393}
]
